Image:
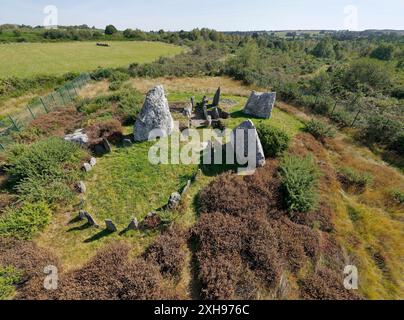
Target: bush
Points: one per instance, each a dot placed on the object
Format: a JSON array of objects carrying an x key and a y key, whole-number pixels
[
  {"x": 299, "y": 180},
  {"x": 25, "y": 222},
  {"x": 380, "y": 128},
  {"x": 383, "y": 52},
  {"x": 274, "y": 141},
  {"x": 398, "y": 196},
  {"x": 319, "y": 129},
  {"x": 342, "y": 118},
  {"x": 353, "y": 179},
  {"x": 9, "y": 277},
  {"x": 397, "y": 144},
  {"x": 43, "y": 170},
  {"x": 168, "y": 253}
]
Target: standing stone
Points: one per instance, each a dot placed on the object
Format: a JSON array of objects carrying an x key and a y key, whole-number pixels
[
  {"x": 133, "y": 225},
  {"x": 193, "y": 103},
  {"x": 242, "y": 149},
  {"x": 174, "y": 200},
  {"x": 155, "y": 114},
  {"x": 91, "y": 220},
  {"x": 110, "y": 226},
  {"x": 260, "y": 105},
  {"x": 215, "y": 113},
  {"x": 186, "y": 188},
  {"x": 81, "y": 187},
  {"x": 216, "y": 98},
  {"x": 205, "y": 111},
  {"x": 78, "y": 137},
  {"x": 208, "y": 121},
  {"x": 87, "y": 167},
  {"x": 106, "y": 145},
  {"x": 82, "y": 215},
  {"x": 127, "y": 142},
  {"x": 93, "y": 161}
]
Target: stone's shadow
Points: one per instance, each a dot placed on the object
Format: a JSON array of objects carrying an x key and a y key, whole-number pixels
[
  {"x": 240, "y": 114},
  {"x": 75, "y": 220},
  {"x": 80, "y": 228},
  {"x": 98, "y": 236}
]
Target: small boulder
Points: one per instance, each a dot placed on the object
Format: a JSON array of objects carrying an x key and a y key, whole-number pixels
[
  {"x": 151, "y": 221},
  {"x": 93, "y": 161},
  {"x": 133, "y": 225},
  {"x": 110, "y": 226},
  {"x": 81, "y": 187},
  {"x": 186, "y": 188},
  {"x": 91, "y": 220},
  {"x": 174, "y": 200},
  {"x": 155, "y": 114},
  {"x": 82, "y": 215},
  {"x": 260, "y": 105},
  {"x": 127, "y": 142},
  {"x": 87, "y": 167},
  {"x": 78, "y": 137},
  {"x": 106, "y": 145}
]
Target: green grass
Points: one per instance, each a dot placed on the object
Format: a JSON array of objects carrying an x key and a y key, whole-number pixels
[{"x": 28, "y": 59}]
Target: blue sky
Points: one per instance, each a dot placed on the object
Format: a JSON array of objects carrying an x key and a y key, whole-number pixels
[{"x": 222, "y": 15}]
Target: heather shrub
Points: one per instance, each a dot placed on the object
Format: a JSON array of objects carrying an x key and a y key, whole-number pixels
[
  {"x": 319, "y": 129},
  {"x": 274, "y": 141},
  {"x": 9, "y": 277},
  {"x": 299, "y": 177}
]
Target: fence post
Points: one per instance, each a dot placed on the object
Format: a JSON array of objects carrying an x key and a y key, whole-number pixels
[
  {"x": 54, "y": 100},
  {"x": 32, "y": 114},
  {"x": 44, "y": 106},
  {"x": 2, "y": 147},
  {"x": 63, "y": 99},
  {"x": 14, "y": 123}
]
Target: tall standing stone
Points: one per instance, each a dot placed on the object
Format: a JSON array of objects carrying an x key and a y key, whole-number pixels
[
  {"x": 241, "y": 148},
  {"x": 260, "y": 105},
  {"x": 216, "y": 98},
  {"x": 155, "y": 114}
]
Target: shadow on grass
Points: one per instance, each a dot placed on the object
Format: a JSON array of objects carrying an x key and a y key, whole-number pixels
[
  {"x": 239, "y": 114},
  {"x": 79, "y": 228},
  {"x": 102, "y": 234}
]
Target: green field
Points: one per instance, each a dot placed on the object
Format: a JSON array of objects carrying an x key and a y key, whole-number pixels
[{"x": 28, "y": 59}]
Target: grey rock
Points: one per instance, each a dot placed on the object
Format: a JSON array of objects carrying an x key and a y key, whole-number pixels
[
  {"x": 186, "y": 188},
  {"x": 87, "y": 167},
  {"x": 260, "y": 105},
  {"x": 242, "y": 150},
  {"x": 106, "y": 145},
  {"x": 174, "y": 200},
  {"x": 133, "y": 225},
  {"x": 91, "y": 220},
  {"x": 215, "y": 113},
  {"x": 216, "y": 98},
  {"x": 155, "y": 114},
  {"x": 110, "y": 226},
  {"x": 78, "y": 137},
  {"x": 82, "y": 215},
  {"x": 81, "y": 187},
  {"x": 93, "y": 161},
  {"x": 208, "y": 121},
  {"x": 127, "y": 142}
]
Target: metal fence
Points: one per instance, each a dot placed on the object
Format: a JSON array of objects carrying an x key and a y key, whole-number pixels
[{"x": 62, "y": 97}]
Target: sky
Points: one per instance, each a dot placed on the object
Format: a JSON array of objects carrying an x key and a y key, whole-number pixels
[{"x": 222, "y": 15}]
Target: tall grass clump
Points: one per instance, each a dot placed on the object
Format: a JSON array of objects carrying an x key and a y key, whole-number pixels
[
  {"x": 274, "y": 141},
  {"x": 354, "y": 180},
  {"x": 299, "y": 177}
]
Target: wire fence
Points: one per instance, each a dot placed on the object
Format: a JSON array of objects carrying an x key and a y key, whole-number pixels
[{"x": 61, "y": 97}]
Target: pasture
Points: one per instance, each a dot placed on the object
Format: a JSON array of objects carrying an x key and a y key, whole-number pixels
[{"x": 30, "y": 59}]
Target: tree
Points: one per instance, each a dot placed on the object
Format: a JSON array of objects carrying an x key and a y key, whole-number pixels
[
  {"x": 324, "y": 49},
  {"x": 383, "y": 52},
  {"x": 110, "y": 30}
]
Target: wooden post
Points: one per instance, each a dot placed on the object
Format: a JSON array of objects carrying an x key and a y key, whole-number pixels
[
  {"x": 356, "y": 118},
  {"x": 14, "y": 123},
  {"x": 333, "y": 109},
  {"x": 30, "y": 111},
  {"x": 44, "y": 106}
]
